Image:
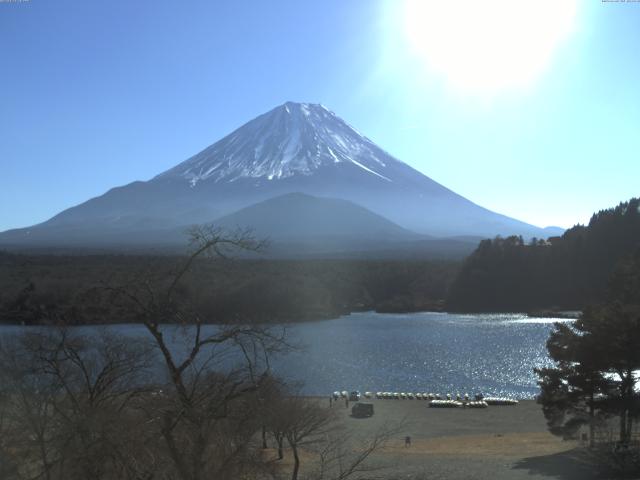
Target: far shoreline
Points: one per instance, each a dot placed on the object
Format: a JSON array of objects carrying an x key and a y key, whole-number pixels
[{"x": 548, "y": 314}]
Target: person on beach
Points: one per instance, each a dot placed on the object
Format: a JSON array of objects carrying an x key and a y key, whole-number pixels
[
  {"x": 346, "y": 402},
  {"x": 330, "y": 401},
  {"x": 407, "y": 441}
]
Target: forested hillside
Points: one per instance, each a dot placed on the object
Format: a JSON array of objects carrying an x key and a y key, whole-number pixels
[
  {"x": 568, "y": 272},
  {"x": 76, "y": 289}
]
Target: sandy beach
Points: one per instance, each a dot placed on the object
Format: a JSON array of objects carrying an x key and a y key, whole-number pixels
[{"x": 498, "y": 443}]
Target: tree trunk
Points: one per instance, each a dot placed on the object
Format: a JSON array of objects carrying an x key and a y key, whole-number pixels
[
  {"x": 174, "y": 451},
  {"x": 625, "y": 400},
  {"x": 197, "y": 454},
  {"x": 629, "y": 404},
  {"x": 623, "y": 424},
  {"x": 280, "y": 452},
  {"x": 296, "y": 463},
  {"x": 591, "y": 419},
  {"x": 264, "y": 437}
]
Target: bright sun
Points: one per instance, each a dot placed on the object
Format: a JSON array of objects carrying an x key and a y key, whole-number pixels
[{"x": 487, "y": 45}]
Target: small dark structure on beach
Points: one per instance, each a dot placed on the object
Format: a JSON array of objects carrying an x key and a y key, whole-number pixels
[{"x": 362, "y": 410}]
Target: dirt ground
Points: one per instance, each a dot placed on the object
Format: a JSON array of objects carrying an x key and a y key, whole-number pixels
[{"x": 498, "y": 443}]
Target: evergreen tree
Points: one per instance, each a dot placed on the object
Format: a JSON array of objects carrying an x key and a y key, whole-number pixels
[
  {"x": 596, "y": 360},
  {"x": 571, "y": 392}
]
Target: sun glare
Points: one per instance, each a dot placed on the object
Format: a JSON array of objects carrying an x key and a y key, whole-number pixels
[{"x": 487, "y": 45}]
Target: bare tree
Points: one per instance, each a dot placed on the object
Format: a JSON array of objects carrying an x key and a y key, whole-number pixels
[
  {"x": 276, "y": 424},
  {"x": 28, "y": 415},
  {"x": 303, "y": 422},
  {"x": 336, "y": 454},
  {"x": 341, "y": 456},
  {"x": 205, "y": 420},
  {"x": 68, "y": 402}
]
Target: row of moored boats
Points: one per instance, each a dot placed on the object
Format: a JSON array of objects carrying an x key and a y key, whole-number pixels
[
  {"x": 435, "y": 400},
  {"x": 477, "y": 403}
]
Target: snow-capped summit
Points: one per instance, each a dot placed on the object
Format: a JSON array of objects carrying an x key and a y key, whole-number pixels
[
  {"x": 292, "y": 139},
  {"x": 296, "y": 148}
]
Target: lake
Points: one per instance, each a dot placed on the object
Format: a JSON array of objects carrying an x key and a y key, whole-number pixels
[
  {"x": 419, "y": 352},
  {"x": 422, "y": 352}
]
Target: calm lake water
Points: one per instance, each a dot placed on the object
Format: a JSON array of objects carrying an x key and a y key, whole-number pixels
[{"x": 420, "y": 352}]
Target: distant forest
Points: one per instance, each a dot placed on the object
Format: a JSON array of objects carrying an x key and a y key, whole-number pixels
[
  {"x": 50, "y": 289},
  {"x": 567, "y": 272},
  {"x": 501, "y": 275}
]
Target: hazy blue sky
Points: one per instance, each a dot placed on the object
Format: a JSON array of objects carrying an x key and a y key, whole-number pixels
[{"x": 97, "y": 94}]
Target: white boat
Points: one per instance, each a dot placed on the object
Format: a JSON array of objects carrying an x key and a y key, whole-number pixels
[
  {"x": 445, "y": 404},
  {"x": 477, "y": 404},
  {"x": 500, "y": 401}
]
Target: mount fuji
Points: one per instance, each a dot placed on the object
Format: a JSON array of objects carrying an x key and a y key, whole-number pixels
[{"x": 296, "y": 148}]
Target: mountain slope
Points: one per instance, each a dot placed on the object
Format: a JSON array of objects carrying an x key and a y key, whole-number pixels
[
  {"x": 297, "y": 216},
  {"x": 292, "y": 148},
  {"x": 302, "y": 226}
]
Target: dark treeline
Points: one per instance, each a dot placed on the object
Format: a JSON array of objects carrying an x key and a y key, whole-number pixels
[
  {"x": 568, "y": 272},
  {"x": 38, "y": 289}
]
